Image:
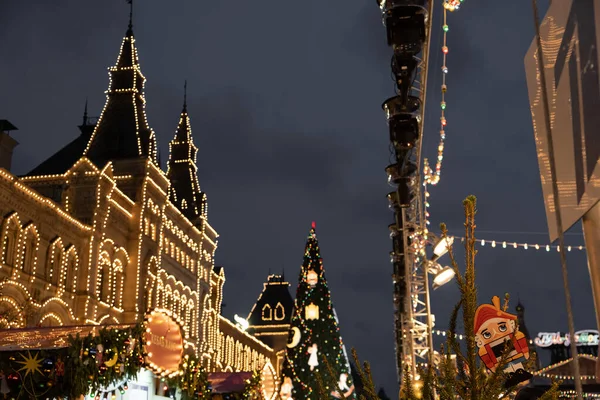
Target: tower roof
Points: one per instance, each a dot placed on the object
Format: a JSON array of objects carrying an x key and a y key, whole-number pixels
[
  {"x": 184, "y": 191},
  {"x": 122, "y": 132},
  {"x": 276, "y": 298},
  {"x": 66, "y": 157}
]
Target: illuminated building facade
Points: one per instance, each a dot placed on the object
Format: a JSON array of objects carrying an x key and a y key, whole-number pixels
[{"x": 99, "y": 234}]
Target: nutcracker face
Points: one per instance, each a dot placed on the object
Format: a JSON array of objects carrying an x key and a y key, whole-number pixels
[{"x": 495, "y": 332}]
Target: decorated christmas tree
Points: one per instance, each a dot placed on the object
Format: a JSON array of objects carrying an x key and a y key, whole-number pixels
[{"x": 315, "y": 351}]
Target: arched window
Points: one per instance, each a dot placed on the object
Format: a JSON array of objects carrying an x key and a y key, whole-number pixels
[
  {"x": 50, "y": 319},
  {"x": 183, "y": 313},
  {"x": 192, "y": 317},
  {"x": 104, "y": 283},
  {"x": 53, "y": 262},
  {"x": 239, "y": 360},
  {"x": 29, "y": 241},
  {"x": 10, "y": 239},
  {"x": 279, "y": 312},
  {"x": 168, "y": 301},
  {"x": 118, "y": 284},
  {"x": 267, "y": 313},
  {"x": 176, "y": 304},
  {"x": 69, "y": 275}
]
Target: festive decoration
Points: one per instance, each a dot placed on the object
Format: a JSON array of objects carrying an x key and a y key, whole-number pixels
[
  {"x": 433, "y": 177},
  {"x": 507, "y": 244},
  {"x": 192, "y": 379},
  {"x": 314, "y": 334},
  {"x": 312, "y": 278},
  {"x": 43, "y": 373},
  {"x": 253, "y": 387},
  {"x": 344, "y": 390},
  {"x": 296, "y": 336},
  {"x": 457, "y": 372},
  {"x": 499, "y": 341},
  {"x": 452, "y": 5},
  {"x": 286, "y": 389},
  {"x": 312, "y": 311}
]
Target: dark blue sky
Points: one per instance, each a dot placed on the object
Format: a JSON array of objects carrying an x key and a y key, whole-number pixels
[{"x": 284, "y": 98}]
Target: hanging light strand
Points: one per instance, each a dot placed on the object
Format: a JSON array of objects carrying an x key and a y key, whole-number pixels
[
  {"x": 433, "y": 177},
  {"x": 515, "y": 245}
]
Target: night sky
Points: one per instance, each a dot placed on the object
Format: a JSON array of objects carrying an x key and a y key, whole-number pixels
[{"x": 284, "y": 99}]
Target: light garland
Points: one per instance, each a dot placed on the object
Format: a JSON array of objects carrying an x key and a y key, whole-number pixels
[
  {"x": 573, "y": 394},
  {"x": 433, "y": 177},
  {"x": 524, "y": 246}
]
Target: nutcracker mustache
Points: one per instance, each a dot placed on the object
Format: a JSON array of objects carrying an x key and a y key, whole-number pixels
[{"x": 502, "y": 345}]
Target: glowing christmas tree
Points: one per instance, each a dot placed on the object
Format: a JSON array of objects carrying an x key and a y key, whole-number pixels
[{"x": 315, "y": 337}]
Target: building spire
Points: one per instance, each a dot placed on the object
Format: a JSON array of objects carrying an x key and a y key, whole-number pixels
[
  {"x": 122, "y": 131},
  {"x": 184, "y": 191},
  {"x": 85, "y": 113},
  {"x": 130, "y": 26},
  {"x": 185, "y": 96}
]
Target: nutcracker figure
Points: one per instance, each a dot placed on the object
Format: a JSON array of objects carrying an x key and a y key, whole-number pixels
[{"x": 497, "y": 334}]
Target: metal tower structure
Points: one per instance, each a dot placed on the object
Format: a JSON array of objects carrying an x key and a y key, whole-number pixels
[{"x": 408, "y": 26}]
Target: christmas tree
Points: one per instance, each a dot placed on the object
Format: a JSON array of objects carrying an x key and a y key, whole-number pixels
[{"x": 315, "y": 352}]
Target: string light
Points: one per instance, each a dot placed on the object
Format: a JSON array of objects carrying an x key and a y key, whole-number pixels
[
  {"x": 433, "y": 177},
  {"x": 524, "y": 246},
  {"x": 452, "y": 5}
]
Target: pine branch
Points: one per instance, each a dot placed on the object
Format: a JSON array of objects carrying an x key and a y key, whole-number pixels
[{"x": 365, "y": 377}]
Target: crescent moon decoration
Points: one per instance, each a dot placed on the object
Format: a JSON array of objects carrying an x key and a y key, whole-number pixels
[
  {"x": 114, "y": 359},
  {"x": 295, "y": 339}
]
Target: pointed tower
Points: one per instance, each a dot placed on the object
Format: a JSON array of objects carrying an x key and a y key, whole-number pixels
[
  {"x": 269, "y": 319},
  {"x": 184, "y": 191},
  {"x": 523, "y": 328},
  {"x": 314, "y": 335},
  {"x": 122, "y": 132}
]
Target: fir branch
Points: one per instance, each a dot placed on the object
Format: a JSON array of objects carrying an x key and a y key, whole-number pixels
[{"x": 366, "y": 378}]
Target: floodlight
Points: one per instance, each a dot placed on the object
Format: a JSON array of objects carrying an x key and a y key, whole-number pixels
[
  {"x": 443, "y": 277},
  {"x": 441, "y": 247}
]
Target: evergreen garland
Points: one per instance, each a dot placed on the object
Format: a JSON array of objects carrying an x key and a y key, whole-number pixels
[
  {"x": 253, "y": 387},
  {"x": 98, "y": 365},
  {"x": 192, "y": 380}
]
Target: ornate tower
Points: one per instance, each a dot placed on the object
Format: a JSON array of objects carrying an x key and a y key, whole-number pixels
[
  {"x": 269, "y": 319},
  {"x": 122, "y": 132},
  {"x": 184, "y": 191}
]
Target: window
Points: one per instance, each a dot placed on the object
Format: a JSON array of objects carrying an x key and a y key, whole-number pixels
[
  {"x": 68, "y": 274},
  {"x": 267, "y": 313},
  {"x": 104, "y": 283},
  {"x": 119, "y": 280},
  {"x": 11, "y": 233},
  {"x": 279, "y": 312},
  {"x": 53, "y": 262},
  {"x": 28, "y": 252},
  {"x": 153, "y": 231}
]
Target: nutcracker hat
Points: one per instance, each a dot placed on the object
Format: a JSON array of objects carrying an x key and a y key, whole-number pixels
[{"x": 485, "y": 312}]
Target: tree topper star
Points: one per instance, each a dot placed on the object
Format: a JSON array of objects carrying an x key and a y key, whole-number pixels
[{"x": 30, "y": 364}]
